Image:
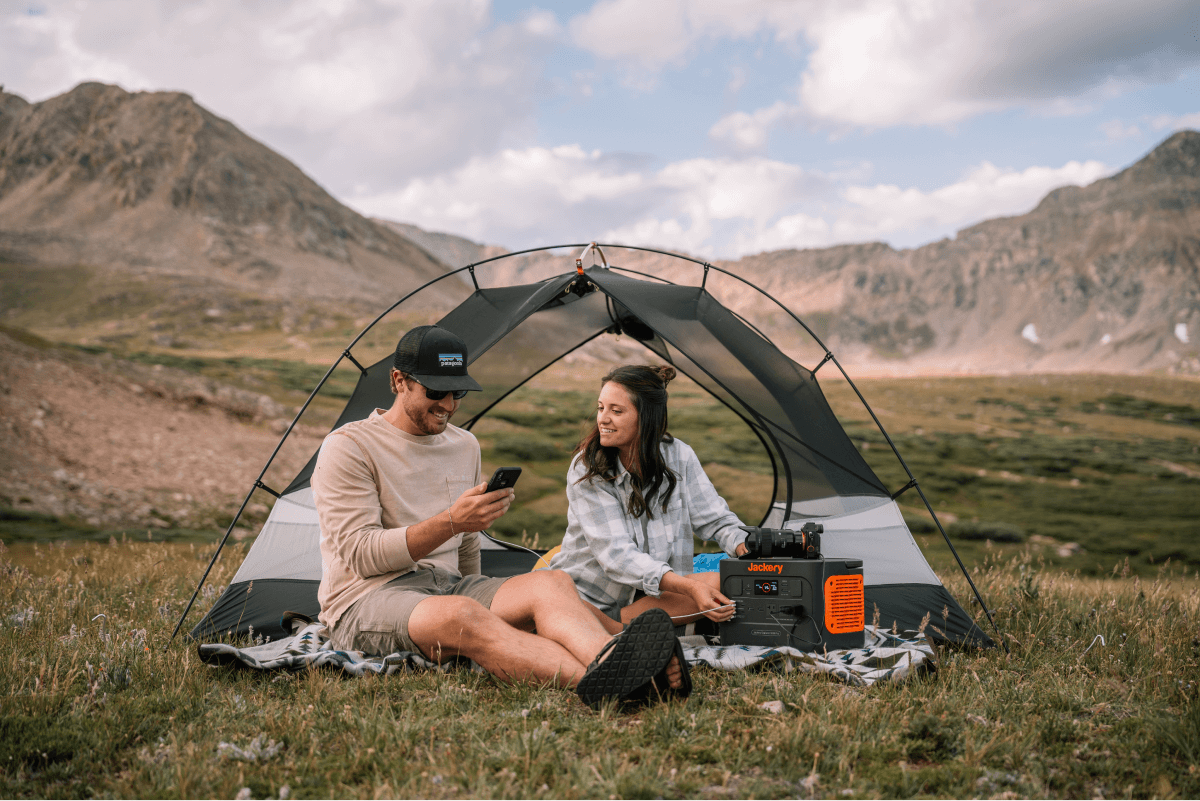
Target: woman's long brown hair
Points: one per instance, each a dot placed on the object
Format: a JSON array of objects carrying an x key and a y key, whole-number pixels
[{"x": 647, "y": 389}]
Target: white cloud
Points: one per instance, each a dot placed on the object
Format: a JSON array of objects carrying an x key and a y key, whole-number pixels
[
  {"x": 910, "y": 216},
  {"x": 878, "y": 63},
  {"x": 569, "y": 194},
  {"x": 724, "y": 207},
  {"x": 749, "y": 132},
  {"x": 1176, "y": 123},
  {"x": 1029, "y": 332},
  {"x": 887, "y": 62},
  {"x": 361, "y": 92},
  {"x": 658, "y": 33},
  {"x": 1116, "y": 130}
]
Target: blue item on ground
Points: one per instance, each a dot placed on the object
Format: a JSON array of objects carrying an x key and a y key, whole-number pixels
[{"x": 707, "y": 562}]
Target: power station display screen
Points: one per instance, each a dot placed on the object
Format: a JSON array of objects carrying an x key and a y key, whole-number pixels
[{"x": 766, "y": 586}]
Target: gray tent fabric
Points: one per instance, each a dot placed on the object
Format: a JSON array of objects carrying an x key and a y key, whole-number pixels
[{"x": 513, "y": 332}]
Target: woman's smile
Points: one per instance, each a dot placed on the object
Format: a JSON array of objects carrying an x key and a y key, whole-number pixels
[{"x": 617, "y": 420}]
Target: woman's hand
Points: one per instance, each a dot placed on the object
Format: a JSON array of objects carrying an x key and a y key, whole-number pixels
[{"x": 709, "y": 598}]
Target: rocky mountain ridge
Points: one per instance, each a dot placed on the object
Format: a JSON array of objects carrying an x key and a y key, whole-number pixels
[
  {"x": 148, "y": 208},
  {"x": 1098, "y": 278},
  {"x": 153, "y": 184}
]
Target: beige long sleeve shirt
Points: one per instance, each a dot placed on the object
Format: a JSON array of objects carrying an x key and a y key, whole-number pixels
[{"x": 371, "y": 482}]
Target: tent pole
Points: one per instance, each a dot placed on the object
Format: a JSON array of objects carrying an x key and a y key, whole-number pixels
[
  {"x": 257, "y": 483},
  {"x": 208, "y": 569},
  {"x": 770, "y": 453},
  {"x": 961, "y": 566},
  {"x": 753, "y": 427}
]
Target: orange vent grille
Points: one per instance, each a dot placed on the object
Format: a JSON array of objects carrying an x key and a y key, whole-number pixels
[{"x": 843, "y": 604}]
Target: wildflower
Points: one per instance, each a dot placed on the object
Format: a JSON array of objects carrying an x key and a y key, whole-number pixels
[
  {"x": 22, "y": 617},
  {"x": 256, "y": 751}
]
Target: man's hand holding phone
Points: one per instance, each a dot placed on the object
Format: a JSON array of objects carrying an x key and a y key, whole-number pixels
[{"x": 480, "y": 506}]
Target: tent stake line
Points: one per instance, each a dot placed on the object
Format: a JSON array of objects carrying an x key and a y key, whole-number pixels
[{"x": 682, "y": 328}]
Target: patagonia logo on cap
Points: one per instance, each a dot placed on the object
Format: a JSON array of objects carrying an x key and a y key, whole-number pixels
[{"x": 450, "y": 360}]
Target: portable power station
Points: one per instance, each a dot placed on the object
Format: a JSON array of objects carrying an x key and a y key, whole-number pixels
[{"x": 811, "y": 604}]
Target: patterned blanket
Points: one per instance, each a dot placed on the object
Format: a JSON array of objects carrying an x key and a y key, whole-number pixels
[{"x": 885, "y": 657}]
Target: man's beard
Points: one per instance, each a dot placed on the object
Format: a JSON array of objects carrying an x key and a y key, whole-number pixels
[{"x": 423, "y": 418}]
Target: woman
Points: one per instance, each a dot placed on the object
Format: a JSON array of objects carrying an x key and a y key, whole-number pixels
[{"x": 636, "y": 496}]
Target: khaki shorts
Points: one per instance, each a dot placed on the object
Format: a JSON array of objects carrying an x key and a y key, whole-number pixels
[{"x": 378, "y": 623}]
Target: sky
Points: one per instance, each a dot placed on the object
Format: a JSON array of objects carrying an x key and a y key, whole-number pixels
[{"x": 718, "y": 127}]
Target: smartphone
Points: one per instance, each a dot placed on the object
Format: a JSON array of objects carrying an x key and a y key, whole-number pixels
[{"x": 503, "y": 478}]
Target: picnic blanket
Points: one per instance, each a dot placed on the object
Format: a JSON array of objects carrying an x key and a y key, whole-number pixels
[{"x": 886, "y": 656}]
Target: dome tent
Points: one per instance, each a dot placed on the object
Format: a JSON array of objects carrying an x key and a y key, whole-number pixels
[{"x": 515, "y": 332}]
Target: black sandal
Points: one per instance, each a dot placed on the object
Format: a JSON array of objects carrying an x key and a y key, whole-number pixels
[
  {"x": 632, "y": 660},
  {"x": 659, "y": 688}
]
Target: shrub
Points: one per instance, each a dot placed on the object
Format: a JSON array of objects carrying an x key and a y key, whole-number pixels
[
  {"x": 527, "y": 448},
  {"x": 996, "y": 532}
]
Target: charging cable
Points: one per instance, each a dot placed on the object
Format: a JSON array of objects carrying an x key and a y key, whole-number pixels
[
  {"x": 704, "y": 612},
  {"x": 791, "y": 635}
]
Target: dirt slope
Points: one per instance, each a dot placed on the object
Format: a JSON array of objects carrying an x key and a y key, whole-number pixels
[{"x": 119, "y": 444}]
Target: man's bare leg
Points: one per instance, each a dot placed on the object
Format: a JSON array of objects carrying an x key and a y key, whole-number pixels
[
  {"x": 610, "y": 625},
  {"x": 546, "y": 600},
  {"x": 448, "y": 625}
]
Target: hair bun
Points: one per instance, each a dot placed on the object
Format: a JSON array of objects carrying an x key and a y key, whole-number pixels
[{"x": 665, "y": 373}]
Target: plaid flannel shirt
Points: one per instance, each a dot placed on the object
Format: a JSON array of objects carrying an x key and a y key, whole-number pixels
[{"x": 611, "y": 554}]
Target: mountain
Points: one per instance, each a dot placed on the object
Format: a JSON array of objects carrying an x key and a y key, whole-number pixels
[
  {"x": 1104, "y": 277},
  {"x": 1098, "y": 278},
  {"x": 455, "y": 251},
  {"x": 143, "y": 219},
  {"x": 158, "y": 205}
]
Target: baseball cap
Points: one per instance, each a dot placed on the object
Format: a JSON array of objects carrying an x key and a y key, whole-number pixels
[{"x": 434, "y": 357}]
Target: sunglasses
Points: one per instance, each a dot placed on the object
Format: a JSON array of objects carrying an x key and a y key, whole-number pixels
[{"x": 438, "y": 394}]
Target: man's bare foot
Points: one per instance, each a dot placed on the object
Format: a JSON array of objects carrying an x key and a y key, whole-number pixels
[{"x": 674, "y": 673}]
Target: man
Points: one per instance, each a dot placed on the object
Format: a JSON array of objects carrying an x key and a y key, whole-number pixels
[{"x": 401, "y": 504}]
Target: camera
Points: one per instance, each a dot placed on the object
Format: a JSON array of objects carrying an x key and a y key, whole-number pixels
[{"x": 775, "y": 543}]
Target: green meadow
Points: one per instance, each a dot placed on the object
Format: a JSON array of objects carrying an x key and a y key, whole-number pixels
[
  {"x": 1072, "y": 500},
  {"x": 1095, "y": 468},
  {"x": 1095, "y": 698}
]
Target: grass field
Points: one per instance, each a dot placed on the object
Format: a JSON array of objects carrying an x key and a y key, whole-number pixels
[
  {"x": 1073, "y": 500},
  {"x": 93, "y": 706},
  {"x": 1108, "y": 464},
  {"x": 1087, "y": 470}
]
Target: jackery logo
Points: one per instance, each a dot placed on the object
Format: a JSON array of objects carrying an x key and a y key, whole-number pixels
[
  {"x": 450, "y": 360},
  {"x": 759, "y": 567}
]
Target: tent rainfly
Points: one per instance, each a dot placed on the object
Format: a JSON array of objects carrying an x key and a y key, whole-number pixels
[{"x": 515, "y": 332}]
